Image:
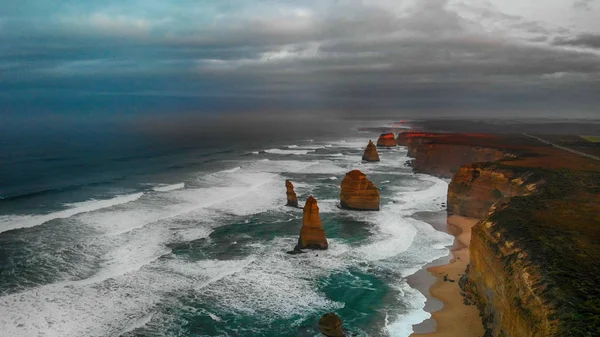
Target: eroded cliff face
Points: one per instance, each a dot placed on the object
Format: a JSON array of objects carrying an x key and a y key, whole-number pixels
[
  {"x": 476, "y": 187},
  {"x": 443, "y": 160},
  {"x": 506, "y": 285},
  {"x": 533, "y": 256}
]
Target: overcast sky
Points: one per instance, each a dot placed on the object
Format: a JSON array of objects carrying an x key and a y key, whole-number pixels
[{"x": 349, "y": 57}]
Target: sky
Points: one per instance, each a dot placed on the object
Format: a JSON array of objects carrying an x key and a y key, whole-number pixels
[{"x": 348, "y": 58}]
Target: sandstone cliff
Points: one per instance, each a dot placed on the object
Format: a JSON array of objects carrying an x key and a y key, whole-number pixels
[
  {"x": 533, "y": 269},
  {"x": 358, "y": 192},
  {"x": 312, "y": 235},
  {"x": 371, "y": 152},
  {"x": 292, "y": 199},
  {"x": 443, "y": 160},
  {"x": 476, "y": 187},
  {"x": 386, "y": 140}
]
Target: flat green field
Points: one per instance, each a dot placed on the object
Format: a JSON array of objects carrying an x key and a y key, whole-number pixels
[{"x": 593, "y": 139}]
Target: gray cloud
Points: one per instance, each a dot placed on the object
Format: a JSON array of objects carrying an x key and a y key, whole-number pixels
[
  {"x": 584, "y": 5},
  {"x": 346, "y": 55},
  {"x": 583, "y": 40}
]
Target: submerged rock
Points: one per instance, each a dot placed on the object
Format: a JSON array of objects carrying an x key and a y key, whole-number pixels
[
  {"x": 359, "y": 193},
  {"x": 312, "y": 235},
  {"x": 371, "y": 152},
  {"x": 292, "y": 199},
  {"x": 331, "y": 325},
  {"x": 387, "y": 140}
]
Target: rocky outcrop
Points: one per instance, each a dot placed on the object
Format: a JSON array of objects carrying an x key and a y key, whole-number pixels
[
  {"x": 330, "y": 325},
  {"x": 386, "y": 140},
  {"x": 312, "y": 235},
  {"x": 292, "y": 199},
  {"x": 359, "y": 193},
  {"x": 476, "y": 187},
  {"x": 370, "y": 152}
]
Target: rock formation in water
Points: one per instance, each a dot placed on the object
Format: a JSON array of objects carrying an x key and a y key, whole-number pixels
[
  {"x": 330, "y": 325},
  {"x": 371, "y": 152},
  {"x": 292, "y": 199},
  {"x": 386, "y": 140},
  {"x": 359, "y": 193},
  {"x": 312, "y": 235}
]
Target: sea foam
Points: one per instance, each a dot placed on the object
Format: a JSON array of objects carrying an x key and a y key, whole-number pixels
[{"x": 10, "y": 222}]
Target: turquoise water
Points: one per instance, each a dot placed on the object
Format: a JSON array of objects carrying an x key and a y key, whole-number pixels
[{"x": 203, "y": 253}]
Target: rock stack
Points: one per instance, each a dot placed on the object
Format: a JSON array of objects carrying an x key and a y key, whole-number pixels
[
  {"x": 371, "y": 152},
  {"x": 386, "y": 140},
  {"x": 292, "y": 199},
  {"x": 359, "y": 193},
  {"x": 312, "y": 235},
  {"x": 331, "y": 325}
]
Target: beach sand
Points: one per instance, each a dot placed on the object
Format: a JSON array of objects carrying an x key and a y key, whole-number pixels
[{"x": 455, "y": 319}]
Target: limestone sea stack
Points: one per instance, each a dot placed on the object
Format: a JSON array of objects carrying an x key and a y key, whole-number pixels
[
  {"x": 292, "y": 199},
  {"x": 386, "y": 140},
  {"x": 359, "y": 193},
  {"x": 371, "y": 152},
  {"x": 330, "y": 325},
  {"x": 312, "y": 235}
]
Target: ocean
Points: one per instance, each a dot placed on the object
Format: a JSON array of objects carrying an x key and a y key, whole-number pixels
[{"x": 105, "y": 235}]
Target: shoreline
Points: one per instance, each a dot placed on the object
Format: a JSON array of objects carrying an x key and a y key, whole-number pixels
[{"x": 453, "y": 318}]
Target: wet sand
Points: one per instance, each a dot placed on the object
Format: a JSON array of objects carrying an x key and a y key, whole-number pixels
[{"x": 454, "y": 319}]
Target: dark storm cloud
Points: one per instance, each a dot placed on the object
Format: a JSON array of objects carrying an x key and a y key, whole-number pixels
[
  {"x": 584, "y": 40},
  {"x": 278, "y": 54}
]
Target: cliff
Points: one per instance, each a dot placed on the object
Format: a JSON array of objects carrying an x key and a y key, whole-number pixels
[
  {"x": 386, "y": 140},
  {"x": 370, "y": 153},
  {"x": 476, "y": 187},
  {"x": 534, "y": 254},
  {"x": 443, "y": 160},
  {"x": 292, "y": 199},
  {"x": 534, "y": 262},
  {"x": 312, "y": 235},
  {"x": 358, "y": 192}
]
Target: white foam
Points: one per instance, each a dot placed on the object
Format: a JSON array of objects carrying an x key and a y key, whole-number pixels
[
  {"x": 10, "y": 222},
  {"x": 402, "y": 326},
  {"x": 292, "y": 146},
  {"x": 394, "y": 235},
  {"x": 167, "y": 188},
  {"x": 288, "y": 152},
  {"x": 235, "y": 169}
]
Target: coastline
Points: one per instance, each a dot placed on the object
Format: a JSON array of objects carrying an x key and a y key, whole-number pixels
[{"x": 454, "y": 319}]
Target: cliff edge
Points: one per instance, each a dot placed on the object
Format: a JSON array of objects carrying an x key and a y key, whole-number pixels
[{"x": 534, "y": 253}]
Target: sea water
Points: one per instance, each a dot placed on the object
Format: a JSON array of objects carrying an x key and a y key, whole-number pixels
[{"x": 193, "y": 242}]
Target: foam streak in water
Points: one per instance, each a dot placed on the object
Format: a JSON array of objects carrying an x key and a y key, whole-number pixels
[
  {"x": 166, "y": 188},
  {"x": 10, "y": 222}
]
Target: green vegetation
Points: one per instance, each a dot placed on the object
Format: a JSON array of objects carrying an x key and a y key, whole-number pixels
[
  {"x": 593, "y": 139},
  {"x": 559, "y": 229}
]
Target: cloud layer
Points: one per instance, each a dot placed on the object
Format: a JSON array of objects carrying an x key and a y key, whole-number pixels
[{"x": 348, "y": 56}]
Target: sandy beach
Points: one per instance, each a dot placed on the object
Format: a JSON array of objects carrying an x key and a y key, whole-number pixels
[{"x": 455, "y": 319}]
